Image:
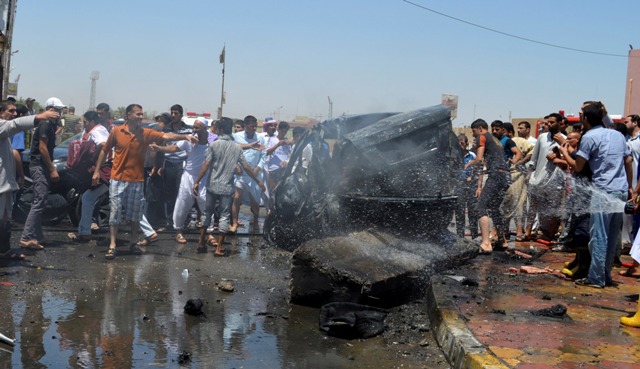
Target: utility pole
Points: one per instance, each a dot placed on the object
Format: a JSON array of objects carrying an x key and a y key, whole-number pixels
[
  {"x": 95, "y": 75},
  {"x": 6, "y": 47},
  {"x": 222, "y": 61},
  {"x": 330, "y": 115}
]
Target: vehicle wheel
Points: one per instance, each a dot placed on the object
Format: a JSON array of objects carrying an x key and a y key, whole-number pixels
[
  {"x": 53, "y": 214},
  {"x": 104, "y": 210}
]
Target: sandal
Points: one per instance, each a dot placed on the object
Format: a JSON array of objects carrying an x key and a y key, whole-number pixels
[
  {"x": 147, "y": 240},
  {"x": 202, "y": 249},
  {"x": 12, "y": 255},
  {"x": 136, "y": 249},
  {"x": 483, "y": 251},
  {"x": 73, "y": 237},
  {"x": 180, "y": 238},
  {"x": 31, "y": 245},
  {"x": 111, "y": 254}
]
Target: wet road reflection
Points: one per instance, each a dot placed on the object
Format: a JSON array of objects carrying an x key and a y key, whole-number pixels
[{"x": 68, "y": 307}]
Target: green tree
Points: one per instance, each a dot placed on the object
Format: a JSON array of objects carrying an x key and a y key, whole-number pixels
[{"x": 118, "y": 113}]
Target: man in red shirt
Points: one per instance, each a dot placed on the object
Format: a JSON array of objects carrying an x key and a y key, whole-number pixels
[{"x": 129, "y": 143}]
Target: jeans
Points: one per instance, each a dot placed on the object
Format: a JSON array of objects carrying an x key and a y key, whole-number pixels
[
  {"x": 605, "y": 228},
  {"x": 224, "y": 208},
  {"x": 33, "y": 224},
  {"x": 89, "y": 198}
]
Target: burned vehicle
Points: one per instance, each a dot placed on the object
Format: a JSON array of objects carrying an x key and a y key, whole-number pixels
[{"x": 397, "y": 172}]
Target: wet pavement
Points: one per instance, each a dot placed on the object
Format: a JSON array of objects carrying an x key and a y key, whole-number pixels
[
  {"x": 491, "y": 324},
  {"x": 69, "y": 307}
]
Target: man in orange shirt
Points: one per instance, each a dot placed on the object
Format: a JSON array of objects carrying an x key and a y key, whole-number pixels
[{"x": 129, "y": 143}]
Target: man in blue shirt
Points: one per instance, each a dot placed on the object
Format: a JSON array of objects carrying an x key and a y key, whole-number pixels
[{"x": 609, "y": 157}]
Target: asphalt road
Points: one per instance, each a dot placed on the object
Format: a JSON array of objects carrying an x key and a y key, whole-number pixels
[{"x": 67, "y": 306}]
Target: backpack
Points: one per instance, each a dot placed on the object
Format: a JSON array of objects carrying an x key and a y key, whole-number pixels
[{"x": 81, "y": 159}]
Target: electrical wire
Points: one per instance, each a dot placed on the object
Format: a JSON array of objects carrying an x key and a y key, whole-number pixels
[{"x": 512, "y": 35}]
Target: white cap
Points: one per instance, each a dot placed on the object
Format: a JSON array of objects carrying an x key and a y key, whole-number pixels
[
  {"x": 54, "y": 102},
  {"x": 203, "y": 121}
]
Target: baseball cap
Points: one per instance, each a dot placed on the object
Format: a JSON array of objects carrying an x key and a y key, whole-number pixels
[
  {"x": 54, "y": 102},
  {"x": 30, "y": 99}
]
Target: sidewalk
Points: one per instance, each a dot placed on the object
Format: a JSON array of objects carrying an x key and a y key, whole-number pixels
[{"x": 490, "y": 324}]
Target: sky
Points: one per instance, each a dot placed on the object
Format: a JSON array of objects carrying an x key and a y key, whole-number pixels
[{"x": 285, "y": 58}]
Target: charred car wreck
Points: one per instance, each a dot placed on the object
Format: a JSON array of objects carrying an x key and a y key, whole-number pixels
[{"x": 396, "y": 172}]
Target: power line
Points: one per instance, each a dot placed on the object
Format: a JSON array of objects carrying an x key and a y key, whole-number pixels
[{"x": 512, "y": 35}]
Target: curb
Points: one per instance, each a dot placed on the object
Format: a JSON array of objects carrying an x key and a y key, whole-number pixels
[{"x": 460, "y": 346}]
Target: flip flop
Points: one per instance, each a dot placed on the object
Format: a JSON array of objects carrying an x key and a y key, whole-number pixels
[
  {"x": 31, "y": 245},
  {"x": 148, "y": 240},
  {"x": 202, "y": 250},
  {"x": 136, "y": 249},
  {"x": 483, "y": 251},
  {"x": 111, "y": 254},
  {"x": 12, "y": 255},
  {"x": 215, "y": 254},
  {"x": 627, "y": 273},
  {"x": 180, "y": 239}
]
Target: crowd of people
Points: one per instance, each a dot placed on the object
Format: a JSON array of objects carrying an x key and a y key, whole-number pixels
[
  {"x": 156, "y": 174},
  {"x": 566, "y": 189}
]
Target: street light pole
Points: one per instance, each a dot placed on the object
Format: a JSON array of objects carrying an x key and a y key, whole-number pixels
[{"x": 6, "y": 50}]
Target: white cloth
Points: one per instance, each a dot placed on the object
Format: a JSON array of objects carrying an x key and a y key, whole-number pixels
[
  {"x": 545, "y": 170},
  {"x": 184, "y": 201},
  {"x": 635, "y": 249},
  {"x": 195, "y": 156},
  {"x": 98, "y": 134}
]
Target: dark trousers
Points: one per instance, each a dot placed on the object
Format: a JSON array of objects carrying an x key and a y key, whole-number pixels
[
  {"x": 172, "y": 175},
  {"x": 467, "y": 201},
  {"x": 491, "y": 197},
  {"x": 154, "y": 194}
]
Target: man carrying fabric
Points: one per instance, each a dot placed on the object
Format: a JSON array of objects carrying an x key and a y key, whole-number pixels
[
  {"x": 546, "y": 180},
  {"x": 129, "y": 142}
]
